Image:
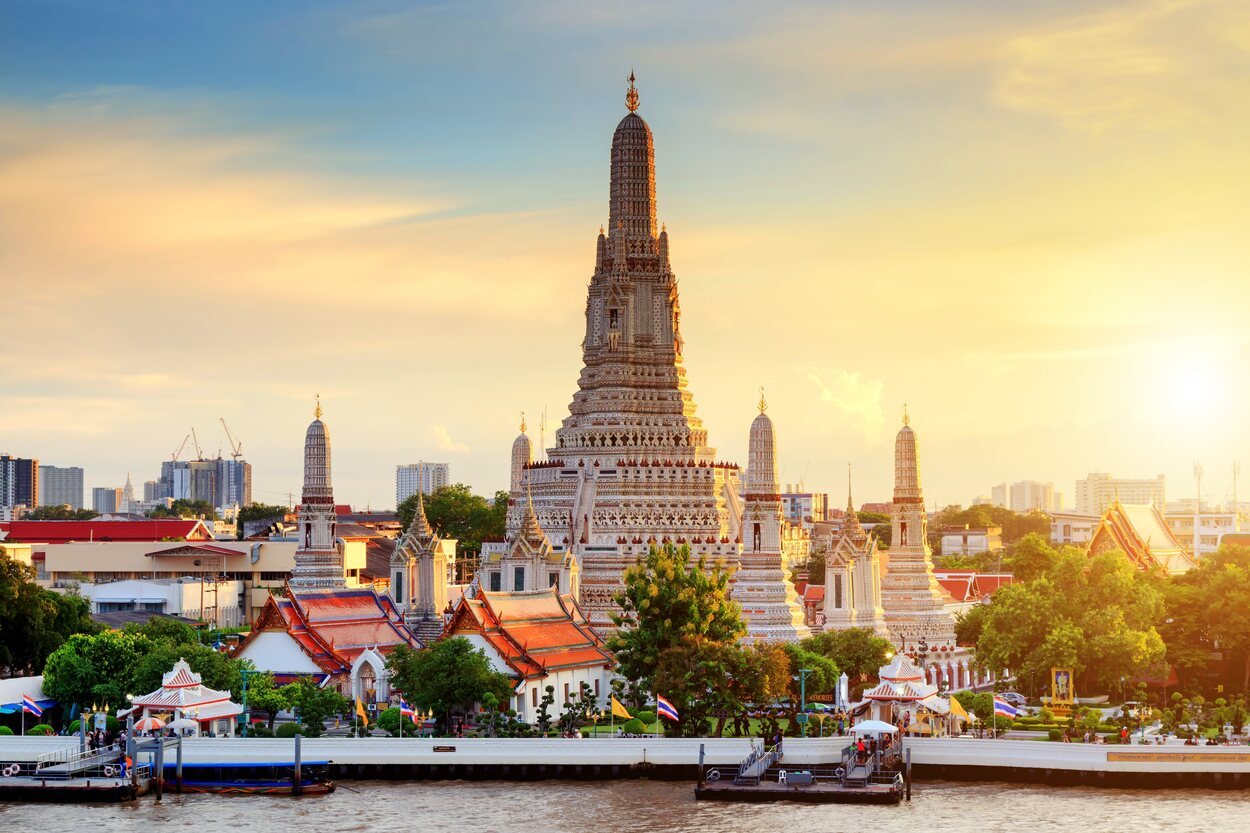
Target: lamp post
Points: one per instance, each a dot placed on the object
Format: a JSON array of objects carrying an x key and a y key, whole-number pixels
[
  {"x": 247, "y": 718},
  {"x": 803, "y": 672}
]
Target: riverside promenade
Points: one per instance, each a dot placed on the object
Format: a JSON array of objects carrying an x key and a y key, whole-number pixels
[{"x": 963, "y": 759}]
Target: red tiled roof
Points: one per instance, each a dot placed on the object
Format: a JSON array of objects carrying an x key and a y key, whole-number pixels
[
  {"x": 813, "y": 594},
  {"x": 534, "y": 632},
  {"x": 61, "y": 532},
  {"x": 333, "y": 627}
]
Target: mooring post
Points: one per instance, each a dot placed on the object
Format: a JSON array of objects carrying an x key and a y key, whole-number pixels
[
  {"x": 297, "y": 780},
  {"x": 907, "y": 769},
  {"x": 159, "y": 768},
  {"x": 700, "y": 765},
  {"x": 178, "y": 768}
]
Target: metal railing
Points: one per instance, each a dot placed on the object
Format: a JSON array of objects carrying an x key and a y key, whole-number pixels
[{"x": 64, "y": 755}]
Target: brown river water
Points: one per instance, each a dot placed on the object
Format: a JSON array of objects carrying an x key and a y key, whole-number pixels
[{"x": 646, "y": 806}]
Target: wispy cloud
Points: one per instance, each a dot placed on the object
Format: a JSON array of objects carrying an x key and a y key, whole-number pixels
[
  {"x": 442, "y": 440},
  {"x": 855, "y": 400}
]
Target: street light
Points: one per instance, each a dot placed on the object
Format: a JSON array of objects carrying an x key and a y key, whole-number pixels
[{"x": 803, "y": 672}]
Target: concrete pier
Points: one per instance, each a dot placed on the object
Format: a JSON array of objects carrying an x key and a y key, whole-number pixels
[{"x": 963, "y": 759}]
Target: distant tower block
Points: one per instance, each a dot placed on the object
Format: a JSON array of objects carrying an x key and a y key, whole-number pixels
[
  {"x": 769, "y": 604},
  {"x": 915, "y": 606}
]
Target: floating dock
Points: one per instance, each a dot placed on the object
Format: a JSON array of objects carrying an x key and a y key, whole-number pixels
[
  {"x": 69, "y": 775},
  {"x": 764, "y": 777}
]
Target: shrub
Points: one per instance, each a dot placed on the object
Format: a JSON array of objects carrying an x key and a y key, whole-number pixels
[
  {"x": 259, "y": 731},
  {"x": 646, "y": 717},
  {"x": 111, "y": 723},
  {"x": 288, "y": 730},
  {"x": 1046, "y": 715},
  {"x": 5, "y": 730},
  {"x": 41, "y": 729},
  {"x": 634, "y": 726},
  {"x": 1055, "y": 734}
]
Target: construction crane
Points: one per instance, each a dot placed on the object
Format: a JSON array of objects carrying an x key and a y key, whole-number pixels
[
  {"x": 177, "y": 453},
  {"x": 199, "y": 452},
  {"x": 236, "y": 449}
]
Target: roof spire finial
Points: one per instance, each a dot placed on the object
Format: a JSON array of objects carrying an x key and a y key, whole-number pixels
[
  {"x": 631, "y": 97},
  {"x": 906, "y": 416},
  {"x": 522, "y": 422},
  {"x": 850, "y": 504},
  {"x": 317, "y": 410},
  {"x": 763, "y": 401}
]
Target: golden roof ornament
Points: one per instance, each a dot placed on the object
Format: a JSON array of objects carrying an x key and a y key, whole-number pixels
[
  {"x": 631, "y": 97},
  {"x": 522, "y": 422},
  {"x": 763, "y": 401},
  {"x": 906, "y": 417},
  {"x": 317, "y": 410}
]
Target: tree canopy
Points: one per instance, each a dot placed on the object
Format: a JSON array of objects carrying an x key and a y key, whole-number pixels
[
  {"x": 1097, "y": 615},
  {"x": 259, "y": 511},
  {"x": 183, "y": 508},
  {"x": 448, "y": 675},
  {"x": 670, "y": 597},
  {"x": 1207, "y": 610},
  {"x": 857, "y": 651},
  {"x": 35, "y": 622},
  {"x": 455, "y": 512},
  {"x": 59, "y": 513}
]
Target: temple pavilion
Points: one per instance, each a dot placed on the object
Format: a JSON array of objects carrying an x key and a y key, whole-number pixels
[
  {"x": 902, "y": 696},
  {"x": 183, "y": 696},
  {"x": 1141, "y": 533}
]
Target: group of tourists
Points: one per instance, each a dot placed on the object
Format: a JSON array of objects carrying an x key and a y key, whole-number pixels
[{"x": 102, "y": 739}]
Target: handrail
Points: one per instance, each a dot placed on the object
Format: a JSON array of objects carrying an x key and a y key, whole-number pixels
[{"x": 64, "y": 755}]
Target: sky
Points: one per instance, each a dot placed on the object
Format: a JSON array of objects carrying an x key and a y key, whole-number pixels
[{"x": 1026, "y": 221}]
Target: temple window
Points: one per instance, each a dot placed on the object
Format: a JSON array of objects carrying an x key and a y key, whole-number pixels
[
  {"x": 837, "y": 591},
  {"x": 398, "y": 588},
  {"x": 553, "y": 579},
  {"x": 496, "y": 581},
  {"x": 518, "y": 578},
  {"x": 613, "y": 318},
  {"x": 902, "y": 533},
  {"x": 756, "y": 538}
]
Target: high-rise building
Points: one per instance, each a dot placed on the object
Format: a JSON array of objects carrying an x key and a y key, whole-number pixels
[
  {"x": 106, "y": 500},
  {"x": 804, "y": 508},
  {"x": 220, "y": 482},
  {"x": 999, "y": 495},
  {"x": 1099, "y": 490},
  {"x": 19, "y": 481},
  {"x": 423, "y": 477},
  {"x": 60, "y": 486},
  {"x": 151, "y": 491},
  {"x": 1032, "y": 496}
]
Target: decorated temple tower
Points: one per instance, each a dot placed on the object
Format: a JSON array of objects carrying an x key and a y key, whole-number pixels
[
  {"x": 318, "y": 562},
  {"x": 630, "y": 466},
  {"x": 769, "y": 604},
  {"x": 853, "y": 576},
  {"x": 914, "y": 604}
]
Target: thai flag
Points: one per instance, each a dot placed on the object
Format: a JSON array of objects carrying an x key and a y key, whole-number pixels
[
  {"x": 405, "y": 710},
  {"x": 665, "y": 709},
  {"x": 30, "y": 706},
  {"x": 1004, "y": 709}
]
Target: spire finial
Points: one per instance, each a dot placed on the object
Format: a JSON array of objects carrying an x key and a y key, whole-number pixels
[
  {"x": 522, "y": 422},
  {"x": 906, "y": 416},
  {"x": 631, "y": 97},
  {"x": 850, "y": 504},
  {"x": 763, "y": 401},
  {"x": 317, "y": 410}
]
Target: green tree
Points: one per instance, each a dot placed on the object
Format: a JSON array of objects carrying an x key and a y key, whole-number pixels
[
  {"x": 313, "y": 704},
  {"x": 95, "y": 669},
  {"x": 455, "y": 512},
  {"x": 182, "y": 508},
  {"x": 668, "y": 598},
  {"x": 450, "y": 674},
  {"x": 857, "y": 651},
  {"x": 34, "y": 622},
  {"x": 1032, "y": 557},
  {"x": 257, "y": 512},
  {"x": 263, "y": 694},
  {"x": 1206, "y": 608},
  {"x": 1096, "y": 615},
  {"x": 696, "y": 676},
  {"x": 59, "y": 513},
  {"x": 216, "y": 670},
  {"x": 816, "y": 568}
]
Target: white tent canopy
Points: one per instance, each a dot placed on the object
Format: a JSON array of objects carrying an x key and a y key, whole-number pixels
[{"x": 873, "y": 727}]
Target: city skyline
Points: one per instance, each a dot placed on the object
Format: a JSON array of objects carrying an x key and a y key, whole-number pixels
[{"x": 1051, "y": 279}]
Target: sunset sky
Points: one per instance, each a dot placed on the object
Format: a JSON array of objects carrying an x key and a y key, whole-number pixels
[{"x": 1030, "y": 222}]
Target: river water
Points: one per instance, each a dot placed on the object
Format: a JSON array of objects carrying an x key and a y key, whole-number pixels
[{"x": 645, "y": 807}]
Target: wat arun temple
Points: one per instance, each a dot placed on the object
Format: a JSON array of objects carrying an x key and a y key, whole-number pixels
[{"x": 631, "y": 466}]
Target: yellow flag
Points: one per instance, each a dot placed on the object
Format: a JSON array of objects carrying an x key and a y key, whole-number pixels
[
  {"x": 958, "y": 710},
  {"x": 360, "y": 711},
  {"x": 618, "y": 710}
]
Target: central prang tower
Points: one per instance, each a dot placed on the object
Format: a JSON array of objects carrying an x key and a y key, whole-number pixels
[{"x": 630, "y": 466}]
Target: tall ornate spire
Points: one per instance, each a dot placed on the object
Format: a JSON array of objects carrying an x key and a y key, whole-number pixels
[
  {"x": 420, "y": 526},
  {"x": 631, "y": 97},
  {"x": 632, "y": 204},
  {"x": 318, "y": 563},
  {"x": 851, "y": 527}
]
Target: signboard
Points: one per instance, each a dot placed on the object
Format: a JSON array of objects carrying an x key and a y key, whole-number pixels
[
  {"x": 444, "y": 749},
  {"x": 801, "y": 717},
  {"x": 100, "y": 720},
  {"x": 1181, "y": 757}
]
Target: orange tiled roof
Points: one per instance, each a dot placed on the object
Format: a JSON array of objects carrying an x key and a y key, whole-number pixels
[{"x": 534, "y": 632}]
